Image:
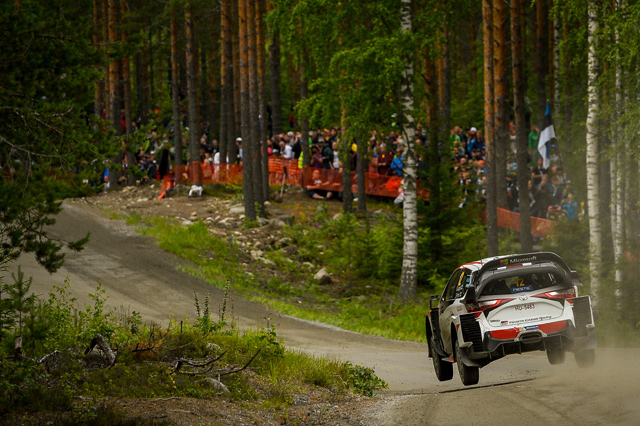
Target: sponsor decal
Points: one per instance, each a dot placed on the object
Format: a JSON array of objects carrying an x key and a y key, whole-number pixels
[
  {"x": 531, "y": 327},
  {"x": 515, "y": 290},
  {"x": 526, "y": 320},
  {"x": 523, "y": 259}
]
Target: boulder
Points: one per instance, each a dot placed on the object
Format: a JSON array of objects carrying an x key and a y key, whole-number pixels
[
  {"x": 236, "y": 210},
  {"x": 277, "y": 223},
  {"x": 287, "y": 218},
  {"x": 323, "y": 276},
  {"x": 216, "y": 385}
]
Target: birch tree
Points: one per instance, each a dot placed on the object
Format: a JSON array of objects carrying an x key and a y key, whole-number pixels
[
  {"x": 593, "y": 193},
  {"x": 409, "y": 279}
]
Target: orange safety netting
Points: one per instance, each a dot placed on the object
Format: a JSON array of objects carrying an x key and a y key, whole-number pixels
[
  {"x": 511, "y": 221},
  {"x": 287, "y": 172}
]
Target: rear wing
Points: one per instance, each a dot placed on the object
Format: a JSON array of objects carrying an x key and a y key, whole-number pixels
[{"x": 527, "y": 258}]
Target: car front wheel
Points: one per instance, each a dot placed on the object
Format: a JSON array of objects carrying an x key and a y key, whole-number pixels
[
  {"x": 444, "y": 370},
  {"x": 468, "y": 375}
]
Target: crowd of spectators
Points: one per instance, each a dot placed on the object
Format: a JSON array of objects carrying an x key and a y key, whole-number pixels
[{"x": 551, "y": 194}]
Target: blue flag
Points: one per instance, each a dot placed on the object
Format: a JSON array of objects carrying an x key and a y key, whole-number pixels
[{"x": 546, "y": 136}]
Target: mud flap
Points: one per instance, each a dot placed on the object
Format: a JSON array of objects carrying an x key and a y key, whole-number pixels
[{"x": 468, "y": 361}]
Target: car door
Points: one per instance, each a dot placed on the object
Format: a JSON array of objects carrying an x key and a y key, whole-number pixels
[{"x": 446, "y": 309}]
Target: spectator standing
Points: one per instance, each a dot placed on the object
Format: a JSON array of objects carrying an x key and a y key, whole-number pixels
[
  {"x": 396, "y": 164},
  {"x": 336, "y": 156},
  {"x": 327, "y": 155},
  {"x": 384, "y": 160}
]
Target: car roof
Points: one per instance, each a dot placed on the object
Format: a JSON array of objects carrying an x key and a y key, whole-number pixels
[{"x": 480, "y": 267}]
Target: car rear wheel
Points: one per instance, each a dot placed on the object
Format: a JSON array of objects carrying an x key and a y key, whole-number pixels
[
  {"x": 444, "y": 370},
  {"x": 555, "y": 356},
  {"x": 585, "y": 357},
  {"x": 468, "y": 375}
]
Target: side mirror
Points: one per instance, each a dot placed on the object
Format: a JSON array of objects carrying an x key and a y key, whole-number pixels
[
  {"x": 433, "y": 298},
  {"x": 470, "y": 297},
  {"x": 575, "y": 278}
]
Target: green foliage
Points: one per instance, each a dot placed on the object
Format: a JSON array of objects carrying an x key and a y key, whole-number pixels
[
  {"x": 363, "y": 380},
  {"x": 48, "y": 147},
  {"x": 278, "y": 373}
]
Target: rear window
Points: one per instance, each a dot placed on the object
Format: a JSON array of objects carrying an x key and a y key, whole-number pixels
[{"x": 522, "y": 283}]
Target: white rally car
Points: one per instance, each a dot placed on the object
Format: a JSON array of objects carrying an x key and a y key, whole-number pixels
[{"x": 506, "y": 305}]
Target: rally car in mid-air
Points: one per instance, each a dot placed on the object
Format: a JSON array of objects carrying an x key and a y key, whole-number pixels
[{"x": 509, "y": 305}]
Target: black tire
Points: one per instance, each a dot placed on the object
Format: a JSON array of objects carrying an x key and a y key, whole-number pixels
[
  {"x": 585, "y": 358},
  {"x": 444, "y": 370},
  {"x": 468, "y": 375},
  {"x": 555, "y": 356}
]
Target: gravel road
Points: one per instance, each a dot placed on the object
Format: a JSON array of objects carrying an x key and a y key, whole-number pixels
[{"x": 520, "y": 389}]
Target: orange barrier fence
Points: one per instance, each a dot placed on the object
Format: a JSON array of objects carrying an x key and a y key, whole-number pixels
[
  {"x": 287, "y": 171},
  {"x": 511, "y": 221}
]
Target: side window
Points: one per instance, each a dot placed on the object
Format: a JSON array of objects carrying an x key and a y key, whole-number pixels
[
  {"x": 463, "y": 284},
  {"x": 450, "y": 291}
]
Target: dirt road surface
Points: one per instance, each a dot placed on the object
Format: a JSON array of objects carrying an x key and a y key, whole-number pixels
[{"x": 520, "y": 389}]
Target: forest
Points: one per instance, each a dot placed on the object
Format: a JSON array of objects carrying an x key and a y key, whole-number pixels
[{"x": 85, "y": 84}]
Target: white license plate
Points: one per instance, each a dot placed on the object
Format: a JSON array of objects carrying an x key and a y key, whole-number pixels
[{"x": 525, "y": 307}]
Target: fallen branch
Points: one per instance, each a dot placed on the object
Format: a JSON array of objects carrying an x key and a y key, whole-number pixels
[
  {"x": 190, "y": 363},
  {"x": 104, "y": 347},
  {"x": 239, "y": 369}
]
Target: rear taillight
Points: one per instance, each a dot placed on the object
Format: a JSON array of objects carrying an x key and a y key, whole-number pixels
[
  {"x": 481, "y": 306},
  {"x": 561, "y": 294}
]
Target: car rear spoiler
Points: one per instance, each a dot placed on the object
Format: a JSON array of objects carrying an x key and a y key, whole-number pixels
[{"x": 528, "y": 258}]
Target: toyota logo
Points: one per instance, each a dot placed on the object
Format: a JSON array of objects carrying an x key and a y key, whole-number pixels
[{"x": 523, "y": 297}]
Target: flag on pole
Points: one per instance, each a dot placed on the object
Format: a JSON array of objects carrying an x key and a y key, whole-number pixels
[{"x": 544, "y": 143}]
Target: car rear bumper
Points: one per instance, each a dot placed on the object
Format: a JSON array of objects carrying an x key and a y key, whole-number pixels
[{"x": 569, "y": 338}]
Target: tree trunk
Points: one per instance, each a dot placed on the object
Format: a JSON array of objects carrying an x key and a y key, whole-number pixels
[
  {"x": 593, "y": 195},
  {"x": 541, "y": 56},
  {"x": 501, "y": 136},
  {"x": 435, "y": 130},
  {"x": 360, "y": 173},
  {"x": 492, "y": 201},
  {"x": 237, "y": 102},
  {"x": 526, "y": 241},
  {"x": 264, "y": 134},
  {"x": 192, "y": 98},
  {"x": 274, "y": 79},
  {"x": 175, "y": 91},
  {"x": 347, "y": 195},
  {"x": 556, "y": 67},
  {"x": 97, "y": 31},
  {"x": 141, "y": 87},
  {"x": 254, "y": 108},
  {"x": 226, "y": 82},
  {"x": 126, "y": 73},
  {"x": 105, "y": 40},
  {"x": 247, "y": 146},
  {"x": 619, "y": 173},
  {"x": 113, "y": 68},
  {"x": 213, "y": 84},
  {"x": 409, "y": 280},
  {"x": 304, "y": 120}
]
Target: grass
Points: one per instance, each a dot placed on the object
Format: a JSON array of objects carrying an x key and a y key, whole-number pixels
[
  {"x": 362, "y": 305},
  {"x": 274, "y": 378}
]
